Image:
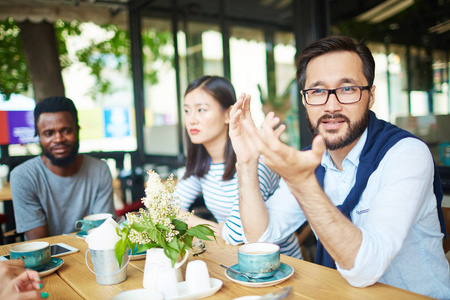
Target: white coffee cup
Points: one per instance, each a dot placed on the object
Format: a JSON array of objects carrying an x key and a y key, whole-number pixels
[
  {"x": 197, "y": 276},
  {"x": 167, "y": 283}
]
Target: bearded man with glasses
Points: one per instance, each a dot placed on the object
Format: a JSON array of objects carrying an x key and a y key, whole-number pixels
[{"x": 369, "y": 190}]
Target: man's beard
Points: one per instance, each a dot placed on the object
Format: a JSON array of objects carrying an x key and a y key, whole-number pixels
[
  {"x": 354, "y": 131},
  {"x": 65, "y": 161}
]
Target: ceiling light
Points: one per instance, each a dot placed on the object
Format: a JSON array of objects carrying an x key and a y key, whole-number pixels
[
  {"x": 440, "y": 28},
  {"x": 384, "y": 11}
]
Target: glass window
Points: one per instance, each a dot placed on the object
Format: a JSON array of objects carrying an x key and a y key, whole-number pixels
[
  {"x": 262, "y": 65},
  {"x": 201, "y": 51},
  {"x": 286, "y": 86},
  {"x": 98, "y": 80},
  {"x": 440, "y": 82},
  {"x": 420, "y": 81},
  {"x": 160, "y": 95},
  {"x": 248, "y": 66},
  {"x": 398, "y": 82},
  {"x": 381, "y": 104}
]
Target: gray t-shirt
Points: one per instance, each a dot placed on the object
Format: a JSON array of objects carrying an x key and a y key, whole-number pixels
[{"x": 41, "y": 197}]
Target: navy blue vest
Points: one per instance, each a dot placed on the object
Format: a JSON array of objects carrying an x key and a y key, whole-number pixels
[{"x": 381, "y": 136}]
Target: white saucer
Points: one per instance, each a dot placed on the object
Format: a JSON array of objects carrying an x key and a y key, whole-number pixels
[
  {"x": 54, "y": 264},
  {"x": 139, "y": 294},
  {"x": 185, "y": 294},
  {"x": 284, "y": 272}
]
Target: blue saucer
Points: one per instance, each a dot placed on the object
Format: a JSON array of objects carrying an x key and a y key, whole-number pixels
[
  {"x": 54, "y": 264},
  {"x": 284, "y": 271},
  {"x": 82, "y": 234}
]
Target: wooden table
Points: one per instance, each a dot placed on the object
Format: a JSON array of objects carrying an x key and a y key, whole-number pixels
[
  {"x": 5, "y": 193},
  {"x": 310, "y": 281}
]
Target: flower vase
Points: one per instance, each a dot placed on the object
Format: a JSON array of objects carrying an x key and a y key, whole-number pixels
[{"x": 156, "y": 263}]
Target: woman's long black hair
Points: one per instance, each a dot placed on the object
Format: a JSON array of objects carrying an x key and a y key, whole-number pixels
[{"x": 198, "y": 159}]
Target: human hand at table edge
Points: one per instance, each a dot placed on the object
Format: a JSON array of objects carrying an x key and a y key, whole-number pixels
[{"x": 18, "y": 283}]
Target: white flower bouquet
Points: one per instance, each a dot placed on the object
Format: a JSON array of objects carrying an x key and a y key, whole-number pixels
[{"x": 160, "y": 223}]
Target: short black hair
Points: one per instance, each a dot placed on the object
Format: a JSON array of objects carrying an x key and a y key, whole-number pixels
[
  {"x": 334, "y": 44},
  {"x": 55, "y": 104}
]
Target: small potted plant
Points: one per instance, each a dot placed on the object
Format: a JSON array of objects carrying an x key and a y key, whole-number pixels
[{"x": 160, "y": 224}]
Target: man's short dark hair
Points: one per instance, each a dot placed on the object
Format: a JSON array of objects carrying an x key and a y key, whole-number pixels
[
  {"x": 52, "y": 105},
  {"x": 333, "y": 44}
]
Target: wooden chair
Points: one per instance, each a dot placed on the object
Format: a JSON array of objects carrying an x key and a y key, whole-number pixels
[
  {"x": 446, "y": 244},
  {"x": 307, "y": 242},
  {"x": 3, "y": 220},
  {"x": 129, "y": 208},
  {"x": 10, "y": 236}
]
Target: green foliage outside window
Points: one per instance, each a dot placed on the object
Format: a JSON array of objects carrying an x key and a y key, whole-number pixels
[
  {"x": 14, "y": 77},
  {"x": 13, "y": 68}
]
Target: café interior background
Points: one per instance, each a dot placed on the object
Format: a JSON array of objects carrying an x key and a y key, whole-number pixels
[{"x": 137, "y": 124}]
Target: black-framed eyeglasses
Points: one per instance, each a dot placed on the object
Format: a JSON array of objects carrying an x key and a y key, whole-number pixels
[{"x": 345, "y": 95}]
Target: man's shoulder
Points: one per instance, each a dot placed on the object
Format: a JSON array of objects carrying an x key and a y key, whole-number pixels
[
  {"x": 31, "y": 164},
  {"x": 411, "y": 144},
  {"x": 23, "y": 176},
  {"x": 406, "y": 152},
  {"x": 92, "y": 159},
  {"x": 92, "y": 164}
]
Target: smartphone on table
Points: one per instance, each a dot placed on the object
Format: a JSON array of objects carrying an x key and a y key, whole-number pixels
[
  {"x": 56, "y": 250},
  {"x": 61, "y": 249}
]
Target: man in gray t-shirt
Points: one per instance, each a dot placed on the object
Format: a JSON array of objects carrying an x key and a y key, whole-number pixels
[{"x": 50, "y": 192}]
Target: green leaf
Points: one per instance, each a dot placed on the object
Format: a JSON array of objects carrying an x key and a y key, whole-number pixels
[
  {"x": 161, "y": 227},
  {"x": 174, "y": 244},
  {"x": 131, "y": 246},
  {"x": 180, "y": 225},
  {"x": 120, "y": 249},
  {"x": 161, "y": 240},
  {"x": 139, "y": 227},
  {"x": 201, "y": 232},
  {"x": 152, "y": 234},
  {"x": 187, "y": 239},
  {"x": 145, "y": 247},
  {"x": 172, "y": 255},
  {"x": 158, "y": 237}
]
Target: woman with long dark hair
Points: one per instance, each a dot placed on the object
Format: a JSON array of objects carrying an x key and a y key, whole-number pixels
[{"x": 211, "y": 161}]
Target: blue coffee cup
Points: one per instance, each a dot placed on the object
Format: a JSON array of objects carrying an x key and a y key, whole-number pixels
[
  {"x": 36, "y": 255},
  {"x": 91, "y": 221},
  {"x": 259, "y": 260}
]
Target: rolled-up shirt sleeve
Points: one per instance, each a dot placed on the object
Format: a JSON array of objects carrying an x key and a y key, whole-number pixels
[{"x": 398, "y": 193}]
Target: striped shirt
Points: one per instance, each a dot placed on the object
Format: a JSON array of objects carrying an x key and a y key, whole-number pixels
[{"x": 222, "y": 200}]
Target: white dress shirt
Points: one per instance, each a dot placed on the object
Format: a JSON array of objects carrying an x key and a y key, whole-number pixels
[{"x": 401, "y": 236}]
